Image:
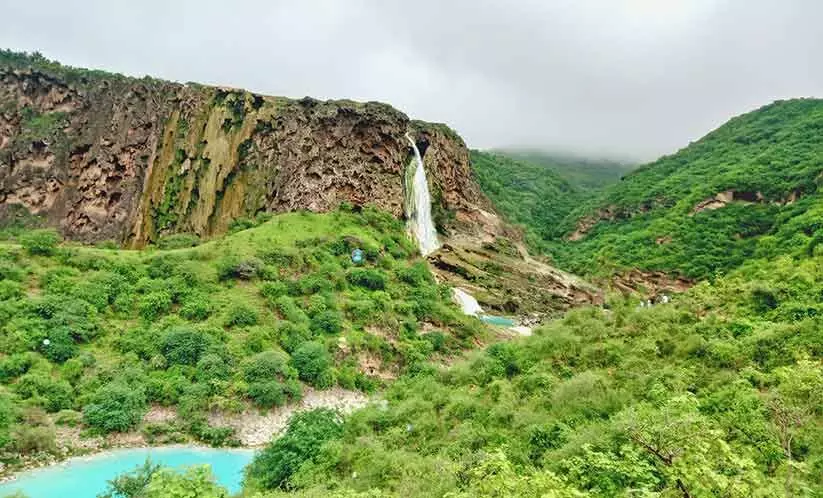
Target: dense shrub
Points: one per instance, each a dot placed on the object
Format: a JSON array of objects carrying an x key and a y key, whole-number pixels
[
  {"x": 10, "y": 289},
  {"x": 307, "y": 432},
  {"x": 196, "y": 307},
  {"x": 271, "y": 381},
  {"x": 178, "y": 241},
  {"x": 327, "y": 322},
  {"x": 313, "y": 364},
  {"x": 212, "y": 367},
  {"x": 154, "y": 305},
  {"x": 115, "y": 407},
  {"x": 232, "y": 267},
  {"x": 241, "y": 315},
  {"x": 40, "y": 242},
  {"x": 273, "y": 290},
  {"x": 53, "y": 395},
  {"x": 183, "y": 345},
  {"x": 368, "y": 278},
  {"x": 292, "y": 335},
  {"x": 268, "y": 365}
]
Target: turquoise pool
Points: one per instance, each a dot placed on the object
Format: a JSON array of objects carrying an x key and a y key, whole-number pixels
[
  {"x": 86, "y": 477},
  {"x": 498, "y": 320}
]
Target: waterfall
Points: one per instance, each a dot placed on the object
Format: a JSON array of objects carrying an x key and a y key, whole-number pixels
[
  {"x": 419, "y": 204},
  {"x": 467, "y": 302}
]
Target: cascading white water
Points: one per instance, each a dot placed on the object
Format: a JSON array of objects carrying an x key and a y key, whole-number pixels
[
  {"x": 467, "y": 302},
  {"x": 419, "y": 205}
]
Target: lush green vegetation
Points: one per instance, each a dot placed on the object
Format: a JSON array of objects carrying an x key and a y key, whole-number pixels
[
  {"x": 769, "y": 161},
  {"x": 94, "y": 337},
  {"x": 770, "y": 158},
  {"x": 717, "y": 394},
  {"x": 531, "y": 195}
]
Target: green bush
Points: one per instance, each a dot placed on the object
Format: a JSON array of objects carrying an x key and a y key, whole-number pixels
[
  {"x": 7, "y": 419},
  {"x": 290, "y": 311},
  {"x": 273, "y": 290},
  {"x": 52, "y": 395},
  {"x": 40, "y": 242},
  {"x": 34, "y": 439},
  {"x": 61, "y": 345},
  {"x": 184, "y": 345},
  {"x": 196, "y": 308},
  {"x": 292, "y": 335},
  {"x": 271, "y": 393},
  {"x": 154, "y": 305},
  {"x": 241, "y": 315},
  {"x": 15, "y": 365},
  {"x": 232, "y": 267},
  {"x": 417, "y": 275},
  {"x": 327, "y": 322},
  {"x": 368, "y": 278},
  {"x": 10, "y": 289},
  {"x": 271, "y": 381},
  {"x": 306, "y": 434},
  {"x": 68, "y": 418},
  {"x": 212, "y": 367},
  {"x": 268, "y": 365},
  {"x": 313, "y": 364},
  {"x": 115, "y": 407},
  {"x": 178, "y": 241}
]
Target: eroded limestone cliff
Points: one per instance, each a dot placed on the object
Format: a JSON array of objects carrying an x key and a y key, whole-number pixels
[{"x": 106, "y": 157}]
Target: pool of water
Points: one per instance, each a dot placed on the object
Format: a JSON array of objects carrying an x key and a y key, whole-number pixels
[
  {"x": 498, "y": 320},
  {"x": 86, "y": 477}
]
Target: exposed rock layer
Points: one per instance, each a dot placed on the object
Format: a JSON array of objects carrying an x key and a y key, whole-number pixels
[{"x": 104, "y": 157}]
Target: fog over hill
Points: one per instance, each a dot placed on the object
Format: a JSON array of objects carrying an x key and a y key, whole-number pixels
[{"x": 628, "y": 79}]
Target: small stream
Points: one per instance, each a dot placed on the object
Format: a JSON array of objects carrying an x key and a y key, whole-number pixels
[{"x": 86, "y": 477}]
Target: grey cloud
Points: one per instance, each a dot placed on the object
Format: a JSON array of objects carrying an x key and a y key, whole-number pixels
[{"x": 632, "y": 78}]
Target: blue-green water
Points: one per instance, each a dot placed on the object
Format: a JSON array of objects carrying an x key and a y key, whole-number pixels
[
  {"x": 497, "y": 320},
  {"x": 86, "y": 477}
]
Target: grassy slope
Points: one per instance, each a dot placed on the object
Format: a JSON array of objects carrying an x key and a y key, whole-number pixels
[
  {"x": 110, "y": 316},
  {"x": 775, "y": 151},
  {"x": 698, "y": 396}
]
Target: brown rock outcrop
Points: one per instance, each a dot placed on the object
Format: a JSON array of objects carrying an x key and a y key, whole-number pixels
[{"x": 105, "y": 157}]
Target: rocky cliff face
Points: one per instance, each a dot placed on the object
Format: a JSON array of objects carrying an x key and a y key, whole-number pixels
[{"x": 105, "y": 157}]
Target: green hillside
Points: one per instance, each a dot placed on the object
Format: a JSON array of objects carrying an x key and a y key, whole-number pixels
[
  {"x": 747, "y": 189},
  {"x": 528, "y": 194},
  {"x": 93, "y": 337},
  {"x": 719, "y": 393}
]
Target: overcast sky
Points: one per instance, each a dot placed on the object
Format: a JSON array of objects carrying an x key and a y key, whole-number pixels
[{"x": 626, "y": 78}]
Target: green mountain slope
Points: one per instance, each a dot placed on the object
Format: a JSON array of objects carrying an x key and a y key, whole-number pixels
[
  {"x": 749, "y": 188},
  {"x": 716, "y": 394},
  {"x": 526, "y": 193},
  {"x": 95, "y": 336},
  {"x": 578, "y": 171}
]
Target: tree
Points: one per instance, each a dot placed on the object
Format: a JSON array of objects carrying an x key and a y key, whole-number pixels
[
  {"x": 306, "y": 434},
  {"x": 793, "y": 404},
  {"x": 689, "y": 451},
  {"x": 132, "y": 484},
  {"x": 196, "y": 482},
  {"x": 313, "y": 363},
  {"x": 115, "y": 407}
]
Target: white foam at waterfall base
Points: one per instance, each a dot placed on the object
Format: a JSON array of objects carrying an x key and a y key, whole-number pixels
[
  {"x": 418, "y": 206},
  {"x": 467, "y": 302}
]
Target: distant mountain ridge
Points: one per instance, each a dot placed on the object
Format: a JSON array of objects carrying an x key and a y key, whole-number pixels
[{"x": 579, "y": 171}]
